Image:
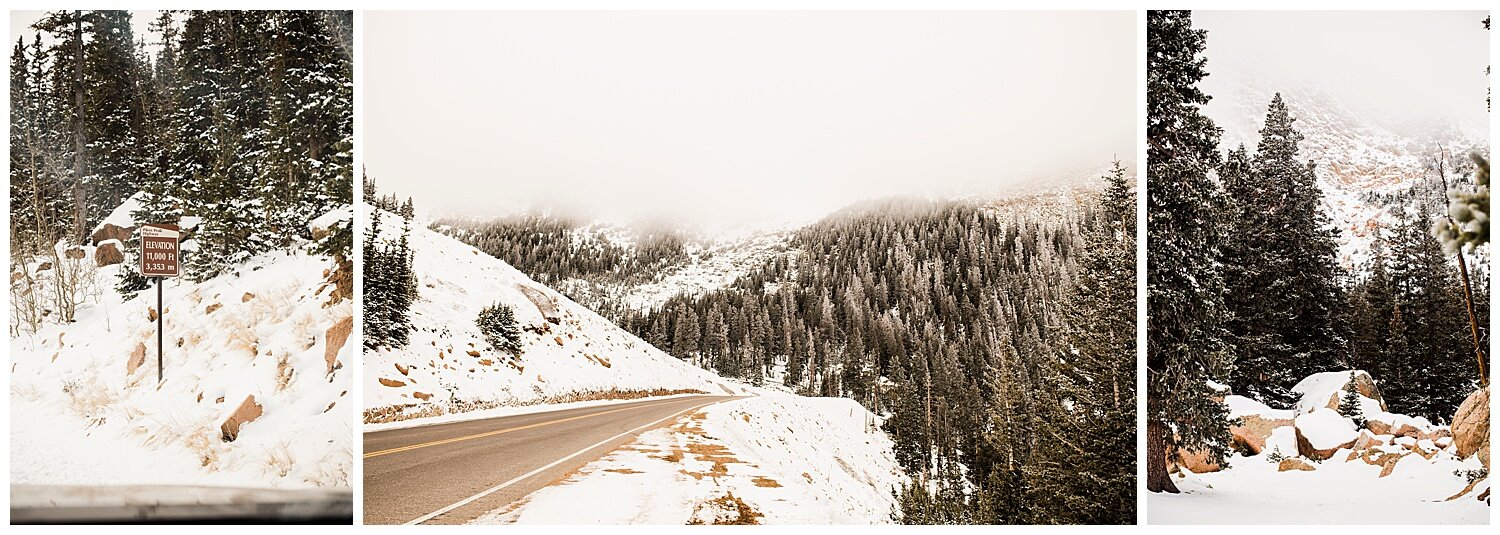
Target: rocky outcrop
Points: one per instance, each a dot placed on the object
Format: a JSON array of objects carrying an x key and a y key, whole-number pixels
[
  {"x": 1197, "y": 461},
  {"x": 1293, "y": 463},
  {"x": 108, "y": 254},
  {"x": 110, "y": 231},
  {"x": 336, "y": 337},
  {"x": 247, "y": 412},
  {"x": 137, "y": 359},
  {"x": 1471, "y": 427},
  {"x": 1253, "y": 430}
]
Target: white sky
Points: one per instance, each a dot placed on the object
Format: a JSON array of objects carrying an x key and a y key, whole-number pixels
[
  {"x": 1394, "y": 67},
  {"x": 735, "y": 119},
  {"x": 140, "y": 22}
]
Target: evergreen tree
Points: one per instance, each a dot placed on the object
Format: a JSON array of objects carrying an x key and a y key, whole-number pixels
[
  {"x": 1349, "y": 404},
  {"x": 1188, "y": 345},
  {"x": 497, "y": 322}
]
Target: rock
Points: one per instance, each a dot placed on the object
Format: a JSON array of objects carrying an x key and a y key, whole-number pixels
[
  {"x": 1293, "y": 463},
  {"x": 336, "y": 336},
  {"x": 1389, "y": 463},
  {"x": 150, "y": 314},
  {"x": 1326, "y": 390},
  {"x": 1471, "y": 427},
  {"x": 75, "y": 252},
  {"x": 392, "y": 383},
  {"x": 247, "y": 412},
  {"x": 137, "y": 359},
  {"x": 1378, "y": 427},
  {"x": 247, "y": 297},
  {"x": 211, "y": 308},
  {"x": 1365, "y": 441},
  {"x": 108, "y": 254},
  {"x": 403, "y": 369},
  {"x": 1253, "y": 430},
  {"x": 1197, "y": 461},
  {"x": 421, "y": 395},
  {"x": 110, "y": 231},
  {"x": 1331, "y": 431},
  {"x": 473, "y": 353},
  {"x": 17, "y": 275},
  {"x": 44, "y": 266},
  {"x": 1407, "y": 430}
]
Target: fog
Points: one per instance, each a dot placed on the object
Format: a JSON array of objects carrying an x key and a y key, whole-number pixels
[
  {"x": 1403, "y": 70},
  {"x": 733, "y": 119}
]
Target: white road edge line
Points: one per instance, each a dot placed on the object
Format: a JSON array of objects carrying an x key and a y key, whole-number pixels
[{"x": 497, "y": 488}]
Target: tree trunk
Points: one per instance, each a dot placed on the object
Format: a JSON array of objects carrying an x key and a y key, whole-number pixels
[{"x": 1157, "y": 478}]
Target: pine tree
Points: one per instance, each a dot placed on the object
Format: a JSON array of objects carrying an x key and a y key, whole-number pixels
[
  {"x": 1350, "y": 406},
  {"x": 497, "y": 322},
  {"x": 1187, "y": 343}
]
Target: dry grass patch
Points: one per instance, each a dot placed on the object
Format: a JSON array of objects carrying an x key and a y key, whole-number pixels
[{"x": 727, "y": 510}]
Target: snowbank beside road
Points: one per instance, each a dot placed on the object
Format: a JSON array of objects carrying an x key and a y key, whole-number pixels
[{"x": 771, "y": 459}]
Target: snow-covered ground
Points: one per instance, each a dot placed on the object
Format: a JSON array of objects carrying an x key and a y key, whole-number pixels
[
  {"x": 1397, "y": 470},
  {"x": 569, "y": 353},
  {"x": 787, "y": 458},
  {"x": 81, "y": 415},
  {"x": 1252, "y": 491}
]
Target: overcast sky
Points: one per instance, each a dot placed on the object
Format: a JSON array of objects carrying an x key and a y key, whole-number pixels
[
  {"x": 736, "y": 119},
  {"x": 1395, "y": 67},
  {"x": 140, "y": 22}
]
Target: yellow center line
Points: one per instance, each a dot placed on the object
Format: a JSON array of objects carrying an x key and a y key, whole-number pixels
[{"x": 501, "y": 431}]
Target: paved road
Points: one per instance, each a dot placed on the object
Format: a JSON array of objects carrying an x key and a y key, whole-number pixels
[{"x": 452, "y": 473}]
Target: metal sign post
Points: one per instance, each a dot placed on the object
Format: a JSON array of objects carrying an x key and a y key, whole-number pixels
[{"x": 159, "y": 261}]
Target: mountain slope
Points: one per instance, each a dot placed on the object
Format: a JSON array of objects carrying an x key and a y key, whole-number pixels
[
  {"x": 568, "y": 353},
  {"x": 1363, "y": 164},
  {"x": 86, "y": 409}
]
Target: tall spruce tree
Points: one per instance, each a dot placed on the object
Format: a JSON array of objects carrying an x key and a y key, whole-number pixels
[
  {"x": 1187, "y": 344},
  {"x": 1281, "y": 275}
]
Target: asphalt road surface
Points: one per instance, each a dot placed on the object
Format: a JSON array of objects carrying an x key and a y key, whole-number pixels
[{"x": 451, "y": 473}]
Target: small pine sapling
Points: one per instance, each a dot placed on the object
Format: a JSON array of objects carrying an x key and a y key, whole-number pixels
[
  {"x": 1349, "y": 406},
  {"x": 497, "y": 323}
]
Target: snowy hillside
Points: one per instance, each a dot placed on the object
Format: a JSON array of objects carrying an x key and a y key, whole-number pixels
[
  {"x": 262, "y": 346},
  {"x": 771, "y": 459},
  {"x": 569, "y": 353},
  {"x": 1311, "y": 464},
  {"x": 1358, "y": 158}
]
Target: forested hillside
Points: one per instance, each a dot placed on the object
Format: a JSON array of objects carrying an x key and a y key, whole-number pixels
[
  {"x": 962, "y": 322},
  {"x": 242, "y": 120}
]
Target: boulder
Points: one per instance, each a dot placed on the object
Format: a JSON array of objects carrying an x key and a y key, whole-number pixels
[
  {"x": 1365, "y": 441},
  {"x": 247, "y": 297},
  {"x": 75, "y": 252},
  {"x": 44, "y": 266},
  {"x": 335, "y": 338},
  {"x": 150, "y": 314},
  {"x": 110, "y": 231},
  {"x": 108, "y": 254},
  {"x": 1322, "y": 433},
  {"x": 1197, "y": 461},
  {"x": 212, "y": 307},
  {"x": 1326, "y": 390},
  {"x": 421, "y": 395},
  {"x": 1253, "y": 430},
  {"x": 137, "y": 359},
  {"x": 392, "y": 383},
  {"x": 1471, "y": 427},
  {"x": 247, "y": 412},
  {"x": 1293, "y": 463},
  {"x": 1388, "y": 464}
]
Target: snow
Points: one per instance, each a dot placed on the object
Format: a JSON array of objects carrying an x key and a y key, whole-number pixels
[
  {"x": 795, "y": 460},
  {"x": 1325, "y": 429},
  {"x": 1345, "y": 488},
  {"x": 121, "y": 215},
  {"x": 580, "y": 357},
  {"x": 328, "y": 220},
  {"x": 1318, "y": 388},
  {"x": 1242, "y": 406},
  {"x": 1337, "y": 492},
  {"x": 78, "y": 417}
]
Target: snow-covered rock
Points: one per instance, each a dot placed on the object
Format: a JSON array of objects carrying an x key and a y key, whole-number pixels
[
  {"x": 1323, "y": 432},
  {"x": 1326, "y": 390}
]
